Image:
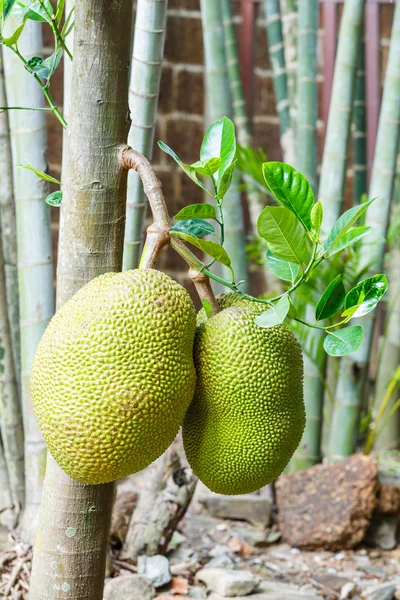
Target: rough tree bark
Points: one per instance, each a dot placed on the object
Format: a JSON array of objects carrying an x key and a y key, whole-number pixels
[{"x": 71, "y": 544}]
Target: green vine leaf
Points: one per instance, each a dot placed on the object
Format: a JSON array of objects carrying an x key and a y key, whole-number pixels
[
  {"x": 195, "y": 227},
  {"x": 207, "y": 308},
  {"x": 225, "y": 181},
  {"x": 317, "y": 215},
  {"x": 13, "y": 39},
  {"x": 202, "y": 211},
  {"x": 291, "y": 189},
  {"x": 188, "y": 169},
  {"x": 283, "y": 269},
  {"x": 211, "y": 248},
  {"x": 344, "y": 341},
  {"x": 36, "y": 10},
  {"x": 285, "y": 236},
  {"x": 345, "y": 222},
  {"x": 274, "y": 315},
  {"x": 363, "y": 298},
  {"x": 348, "y": 239},
  {"x": 219, "y": 141},
  {"x": 54, "y": 199},
  {"x": 5, "y": 9},
  {"x": 40, "y": 174},
  {"x": 331, "y": 300},
  {"x": 207, "y": 168}
]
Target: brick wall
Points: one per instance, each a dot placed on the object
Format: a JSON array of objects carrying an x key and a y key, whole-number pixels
[{"x": 180, "y": 121}]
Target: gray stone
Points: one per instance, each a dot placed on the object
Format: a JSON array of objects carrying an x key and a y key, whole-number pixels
[
  {"x": 254, "y": 509},
  {"x": 179, "y": 555},
  {"x": 227, "y": 582},
  {"x": 156, "y": 568},
  {"x": 385, "y": 592},
  {"x": 383, "y": 532},
  {"x": 219, "y": 562},
  {"x": 129, "y": 587},
  {"x": 197, "y": 592},
  {"x": 273, "y": 590},
  {"x": 257, "y": 538}
]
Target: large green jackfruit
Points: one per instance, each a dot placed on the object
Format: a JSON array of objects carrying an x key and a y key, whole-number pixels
[
  {"x": 113, "y": 374},
  {"x": 247, "y": 416}
]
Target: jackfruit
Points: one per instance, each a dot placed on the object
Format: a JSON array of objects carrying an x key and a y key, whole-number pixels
[
  {"x": 247, "y": 415},
  {"x": 113, "y": 374}
]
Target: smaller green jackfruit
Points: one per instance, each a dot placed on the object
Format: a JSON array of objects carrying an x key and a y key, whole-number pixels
[
  {"x": 247, "y": 415},
  {"x": 113, "y": 374}
]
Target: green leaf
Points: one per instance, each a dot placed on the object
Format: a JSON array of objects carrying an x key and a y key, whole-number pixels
[
  {"x": 45, "y": 68},
  {"x": 249, "y": 162},
  {"x": 68, "y": 25},
  {"x": 283, "y": 233},
  {"x": 188, "y": 169},
  {"x": 343, "y": 341},
  {"x": 60, "y": 10},
  {"x": 211, "y": 248},
  {"x": 331, "y": 300},
  {"x": 40, "y": 174},
  {"x": 225, "y": 181},
  {"x": 54, "y": 199},
  {"x": 348, "y": 239},
  {"x": 203, "y": 211},
  {"x": 283, "y": 269},
  {"x": 13, "y": 39},
  {"x": 207, "y": 168},
  {"x": 345, "y": 222},
  {"x": 196, "y": 227},
  {"x": 35, "y": 10},
  {"x": 207, "y": 308},
  {"x": 317, "y": 215},
  {"x": 366, "y": 295},
  {"x": 291, "y": 189},
  {"x": 219, "y": 140},
  {"x": 274, "y": 315},
  {"x": 5, "y": 9}
]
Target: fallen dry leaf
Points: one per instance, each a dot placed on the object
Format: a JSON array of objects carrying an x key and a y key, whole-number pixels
[{"x": 241, "y": 547}]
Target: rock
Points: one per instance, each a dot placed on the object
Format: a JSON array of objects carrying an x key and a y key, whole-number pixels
[
  {"x": 330, "y": 582},
  {"x": 123, "y": 508},
  {"x": 258, "y": 538},
  {"x": 254, "y": 509},
  {"x": 129, "y": 587},
  {"x": 227, "y": 582},
  {"x": 383, "y": 532},
  {"x": 329, "y": 505},
  {"x": 347, "y": 590},
  {"x": 388, "y": 502},
  {"x": 272, "y": 590},
  {"x": 219, "y": 562},
  {"x": 155, "y": 568},
  {"x": 385, "y": 592},
  {"x": 179, "y": 555},
  {"x": 197, "y": 592}
]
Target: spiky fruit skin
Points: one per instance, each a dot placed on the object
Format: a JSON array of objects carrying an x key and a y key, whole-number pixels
[
  {"x": 247, "y": 415},
  {"x": 113, "y": 374}
]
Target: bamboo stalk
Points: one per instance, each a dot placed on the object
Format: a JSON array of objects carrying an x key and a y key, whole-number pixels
[
  {"x": 35, "y": 265},
  {"x": 8, "y": 227},
  {"x": 219, "y": 105},
  {"x": 334, "y": 160},
  {"x": 289, "y": 12},
  {"x": 10, "y": 410},
  {"x": 277, "y": 59},
  {"x": 389, "y": 360},
  {"x": 309, "y": 451},
  {"x": 354, "y": 368},
  {"x": 5, "y": 496},
  {"x": 70, "y": 550},
  {"x": 360, "y": 131},
  {"x": 147, "y": 57}
]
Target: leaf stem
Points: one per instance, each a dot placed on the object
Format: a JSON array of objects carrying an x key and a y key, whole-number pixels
[{"x": 47, "y": 95}]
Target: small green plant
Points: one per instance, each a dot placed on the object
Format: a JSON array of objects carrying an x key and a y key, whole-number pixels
[{"x": 293, "y": 233}]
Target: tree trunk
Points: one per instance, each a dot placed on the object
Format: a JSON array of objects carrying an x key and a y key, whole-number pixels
[
  {"x": 354, "y": 368},
  {"x": 8, "y": 227},
  {"x": 71, "y": 545},
  {"x": 289, "y": 11},
  {"x": 35, "y": 263},
  {"x": 277, "y": 59},
  {"x": 360, "y": 131},
  {"x": 147, "y": 57},
  {"x": 219, "y": 105},
  {"x": 334, "y": 160}
]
